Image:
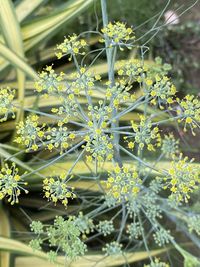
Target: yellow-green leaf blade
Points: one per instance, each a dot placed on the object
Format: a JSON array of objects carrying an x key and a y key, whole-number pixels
[
  {"x": 5, "y": 232},
  {"x": 16, "y": 61}
]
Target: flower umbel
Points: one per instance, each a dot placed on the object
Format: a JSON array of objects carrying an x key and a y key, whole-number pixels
[
  {"x": 64, "y": 234},
  {"x": 170, "y": 146},
  {"x": 113, "y": 248},
  {"x": 6, "y": 103},
  {"x": 123, "y": 183},
  {"x": 189, "y": 112},
  {"x": 11, "y": 183},
  {"x": 72, "y": 45},
  {"x": 182, "y": 179},
  {"x": 145, "y": 134},
  {"x": 50, "y": 82},
  {"x": 105, "y": 227},
  {"x": 162, "y": 91},
  {"x": 57, "y": 189},
  {"x": 118, "y": 34},
  {"x": 30, "y": 133}
]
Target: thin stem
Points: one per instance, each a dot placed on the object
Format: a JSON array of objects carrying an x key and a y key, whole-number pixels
[
  {"x": 54, "y": 160},
  {"x": 111, "y": 58},
  {"x": 137, "y": 158}
]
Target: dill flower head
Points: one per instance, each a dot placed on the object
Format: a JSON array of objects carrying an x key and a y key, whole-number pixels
[
  {"x": 37, "y": 227},
  {"x": 123, "y": 183},
  {"x": 58, "y": 137},
  {"x": 134, "y": 70},
  {"x": 63, "y": 230},
  {"x": 84, "y": 223},
  {"x": 118, "y": 94},
  {"x": 145, "y": 134},
  {"x": 113, "y": 249},
  {"x": 57, "y": 189},
  {"x": 67, "y": 108},
  {"x": 193, "y": 222},
  {"x": 118, "y": 34},
  {"x": 105, "y": 227},
  {"x": 189, "y": 112},
  {"x": 11, "y": 183},
  {"x": 170, "y": 146},
  {"x": 182, "y": 180},
  {"x": 162, "y": 90},
  {"x": 29, "y": 133},
  {"x": 6, "y": 103},
  {"x": 134, "y": 230},
  {"x": 72, "y": 45},
  {"x": 162, "y": 237},
  {"x": 50, "y": 82},
  {"x": 158, "y": 68},
  {"x": 99, "y": 146},
  {"x": 83, "y": 82},
  {"x": 63, "y": 234}
]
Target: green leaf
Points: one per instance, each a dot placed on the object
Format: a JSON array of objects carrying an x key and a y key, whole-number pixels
[
  {"x": 12, "y": 35},
  {"x": 54, "y": 20},
  {"x": 91, "y": 260},
  {"x": 44, "y": 28},
  {"x": 17, "y": 61},
  {"x": 5, "y": 232},
  {"x": 57, "y": 22},
  {"x": 13, "y": 246},
  {"x": 26, "y": 7}
]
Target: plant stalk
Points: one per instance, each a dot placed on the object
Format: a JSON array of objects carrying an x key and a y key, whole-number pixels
[{"x": 111, "y": 57}]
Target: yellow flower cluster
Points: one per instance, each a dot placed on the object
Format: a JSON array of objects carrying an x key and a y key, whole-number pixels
[
  {"x": 59, "y": 137},
  {"x": 30, "y": 133},
  {"x": 71, "y": 46},
  {"x": 190, "y": 111},
  {"x": 162, "y": 90},
  {"x": 99, "y": 146},
  {"x": 56, "y": 189},
  {"x": 11, "y": 184},
  {"x": 83, "y": 82},
  {"x": 6, "y": 103},
  {"x": 100, "y": 113},
  {"x": 182, "y": 179},
  {"x": 118, "y": 34},
  {"x": 119, "y": 94},
  {"x": 67, "y": 108},
  {"x": 145, "y": 134},
  {"x": 123, "y": 183},
  {"x": 134, "y": 70},
  {"x": 50, "y": 82}
]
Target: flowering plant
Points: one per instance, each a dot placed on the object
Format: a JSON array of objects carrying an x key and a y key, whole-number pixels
[{"x": 89, "y": 127}]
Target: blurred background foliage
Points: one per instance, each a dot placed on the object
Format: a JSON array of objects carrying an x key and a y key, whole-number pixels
[{"x": 27, "y": 42}]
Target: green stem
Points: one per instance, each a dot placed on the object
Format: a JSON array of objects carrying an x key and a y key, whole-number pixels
[{"x": 111, "y": 56}]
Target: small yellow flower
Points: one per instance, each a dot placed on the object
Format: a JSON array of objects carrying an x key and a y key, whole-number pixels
[
  {"x": 72, "y": 136},
  {"x": 131, "y": 145}
]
